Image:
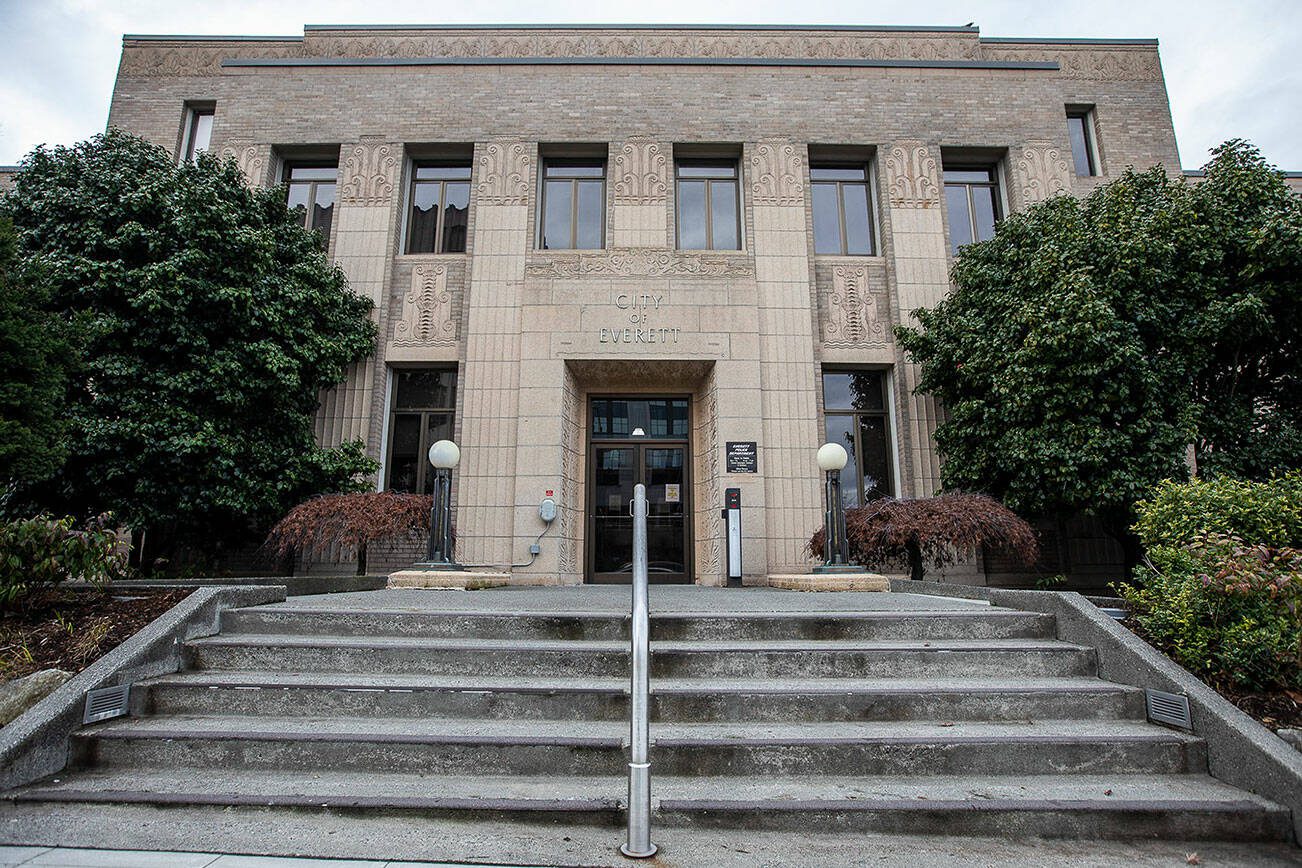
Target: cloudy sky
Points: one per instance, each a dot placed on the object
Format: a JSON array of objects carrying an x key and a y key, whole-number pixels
[{"x": 1232, "y": 67}]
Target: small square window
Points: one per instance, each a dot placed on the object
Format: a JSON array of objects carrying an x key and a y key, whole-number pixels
[
  {"x": 709, "y": 213},
  {"x": 1080, "y": 130}
]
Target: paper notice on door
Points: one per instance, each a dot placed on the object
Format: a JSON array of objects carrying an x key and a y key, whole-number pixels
[
  {"x": 614, "y": 503},
  {"x": 671, "y": 493}
]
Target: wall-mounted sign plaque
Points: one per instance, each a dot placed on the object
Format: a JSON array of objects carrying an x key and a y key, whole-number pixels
[{"x": 742, "y": 456}]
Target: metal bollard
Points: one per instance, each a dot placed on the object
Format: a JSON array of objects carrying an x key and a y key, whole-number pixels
[{"x": 639, "y": 767}]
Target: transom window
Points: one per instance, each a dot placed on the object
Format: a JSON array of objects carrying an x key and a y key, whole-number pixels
[
  {"x": 574, "y": 205},
  {"x": 1080, "y": 129},
  {"x": 198, "y": 132},
  {"x": 856, "y": 415},
  {"x": 424, "y": 403},
  {"x": 655, "y": 418},
  {"x": 709, "y": 217},
  {"x": 972, "y": 197},
  {"x": 842, "y": 213},
  {"x": 440, "y": 208},
  {"x": 312, "y": 194}
]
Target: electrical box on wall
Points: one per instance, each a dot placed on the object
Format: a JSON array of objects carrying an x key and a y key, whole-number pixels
[{"x": 547, "y": 509}]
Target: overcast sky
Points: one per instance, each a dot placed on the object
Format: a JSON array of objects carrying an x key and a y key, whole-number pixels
[{"x": 1232, "y": 67}]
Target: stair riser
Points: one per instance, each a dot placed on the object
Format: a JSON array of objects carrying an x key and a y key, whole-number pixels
[
  {"x": 508, "y": 704},
  {"x": 1174, "y": 823},
  {"x": 487, "y": 757},
  {"x": 664, "y": 664},
  {"x": 577, "y": 627}
]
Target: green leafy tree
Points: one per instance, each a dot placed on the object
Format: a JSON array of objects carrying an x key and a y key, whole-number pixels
[
  {"x": 36, "y": 354},
  {"x": 1089, "y": 343},
  {"x": 211, "y": 321}
]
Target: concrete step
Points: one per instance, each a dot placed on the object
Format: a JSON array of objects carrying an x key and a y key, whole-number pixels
[
  {"x": 742, "y": 658},
  {"x": 258, "y": 694},
  {"x": 1184, "y": 807},
  {"x": 990, "y": 623},
  {"x": 564, "y": 748}
]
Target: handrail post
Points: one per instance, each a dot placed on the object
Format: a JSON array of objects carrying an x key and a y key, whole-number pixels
[{"x": 639, "y": 767}]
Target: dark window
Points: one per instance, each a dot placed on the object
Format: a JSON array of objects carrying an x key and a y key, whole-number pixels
[
  {"x": 856, "y": 415},
  {"x": 657, "y": 418},
  {"x": 312, "y": 193},
  {"x": 1079, "y": 128},
  {"x": 972, "y": 196},
  {"x": 198, "y": 132},
  {"x": 440, "y": 206},
  {"x": 708, "y": 214},
  {"x": 424, "y": 401},
  {"x": 842, "y": 212},
  {"x": 574, "y": 205}
]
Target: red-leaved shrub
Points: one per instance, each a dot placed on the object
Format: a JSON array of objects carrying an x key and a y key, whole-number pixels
[
  {"x": 934, "y": 530},
  {"x": 337, "y": 524}
]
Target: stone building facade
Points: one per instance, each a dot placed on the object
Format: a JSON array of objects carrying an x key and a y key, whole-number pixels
[{"x": 750, "y": 212}]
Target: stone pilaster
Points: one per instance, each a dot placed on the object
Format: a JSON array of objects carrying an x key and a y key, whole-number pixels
[
  {"x": 776, "y": 176},
  {"x": 365, "y": 224},
  {"x": 639, "y": 175},
  {"x": 913, "y": 194},
  {"x": 490, "y": 383}
]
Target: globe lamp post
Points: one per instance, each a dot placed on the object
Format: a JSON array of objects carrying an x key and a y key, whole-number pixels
[
  {"x": 444, "y": 456},
  {"x": 832, "y": 459}
]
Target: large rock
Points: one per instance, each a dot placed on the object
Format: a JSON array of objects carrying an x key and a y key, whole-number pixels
[{"x": 21, "y": 694}]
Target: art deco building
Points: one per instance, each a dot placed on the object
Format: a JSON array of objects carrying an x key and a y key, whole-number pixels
[{"x": 609, "y": 255}]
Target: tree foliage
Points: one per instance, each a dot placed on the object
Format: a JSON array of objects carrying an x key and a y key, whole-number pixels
[
  {"x": 36, "y": 355},
  {"x": 211, "y": 320},
  {"x": 332, "y": 525},
  {"x": 1089, "y": 343},
  {"x": 935, "y": 530}
]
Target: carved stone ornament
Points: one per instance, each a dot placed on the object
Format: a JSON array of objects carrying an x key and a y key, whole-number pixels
[
  {"x": 252, "y": 160},
  {"x": 426, "y": 310},
  {"x": 1041, "y": 171},
  {"x": 712, "y": 565},
  {"x": 641, "y": 175},
  {"x": 851, "y": 316},
  {"x": 370, "y": 173},
  {"x": 571, "y": 452},
  {"x": 777, "y": 175},
  {"x": 1096, "y": 64},
  {"x": 639, "y": 262},
  {"x": 912, "y": 176},
  {"x": 504, "y": 174}
]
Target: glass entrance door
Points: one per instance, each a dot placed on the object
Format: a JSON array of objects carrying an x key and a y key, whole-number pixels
[{"x": 615, "y": 467}]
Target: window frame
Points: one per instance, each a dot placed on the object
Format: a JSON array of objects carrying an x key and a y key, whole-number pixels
[
  {"x": 839, "y": 184},
  {"x": 193, "y": 113},
  {"x": 993, "y": 184},
  {"x": 440, "y": 221},
  {"x": 1085, "y": 115},
  {"x": 562, "y": 163},
  {"x": 885, "y": 414},
  {"x": 710, "y": 180},
  {"x": 423, "y": 467},
  {"x": 287, "y": 171}
]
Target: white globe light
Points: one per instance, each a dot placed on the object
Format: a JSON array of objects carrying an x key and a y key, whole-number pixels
[
  {"x": 832, "y": 456},
  {"x": 445, "y": 454}
]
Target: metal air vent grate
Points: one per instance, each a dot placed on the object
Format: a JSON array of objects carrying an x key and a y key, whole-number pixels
[
  {"x": 1169, "y": 708},
  {"x": 106, "y": 702}
]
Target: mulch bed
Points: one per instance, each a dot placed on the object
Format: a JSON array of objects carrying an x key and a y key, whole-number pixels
[
  {"x": 1273, "y": 710},
  {"x": 70, "y": 630}
]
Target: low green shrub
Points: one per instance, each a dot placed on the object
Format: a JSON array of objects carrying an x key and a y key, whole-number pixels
[
  {"x": 41, "y": 552},
  {"x": 1179, "y": 513},
  {"x": 1226, "y": 610}
]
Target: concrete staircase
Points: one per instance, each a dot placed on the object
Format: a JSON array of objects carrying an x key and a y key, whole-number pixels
[{"x": 971, "y": 721}]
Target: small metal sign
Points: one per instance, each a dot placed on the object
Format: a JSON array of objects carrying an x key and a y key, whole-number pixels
[{"x": 742, "y": 456}]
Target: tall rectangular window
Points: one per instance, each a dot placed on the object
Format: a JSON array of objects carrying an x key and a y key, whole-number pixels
[
  {"x": 856, "y": 415},
  {"x": 440, "y": 208},
  {"x": 198, "y": 132},
  {"x": 312, "y": 193},
  {"x": 842, "y": 210},
  {"x": 1080, "y": 129},
  {"x": 709, "y": 214},
  {"x": 423, "y": 403},
  {"x": 972, "y": 197},
  {"x": 574, "y": 205}
]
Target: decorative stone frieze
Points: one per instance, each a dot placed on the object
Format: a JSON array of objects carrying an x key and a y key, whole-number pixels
[
  {"x": 641, "y": 175},
  {"x": 912, "y": 176},
  {"x": 568, "y": 560},
  {"x": 1040, "y": 171},
  {"x": 1107, "y": 64},
  {"x": 370, "y": 172},
  {"x": 851, "y": 316},
  {"x": 252, "y": 160},
  {"x": 777, "y": 175},
  {"x": 639, "y": 262},
  {"x": 426, "y": 309},
  {"x": 504, "y": 174}
]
